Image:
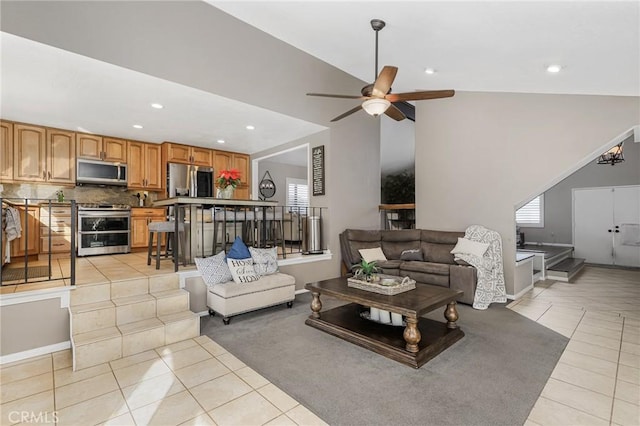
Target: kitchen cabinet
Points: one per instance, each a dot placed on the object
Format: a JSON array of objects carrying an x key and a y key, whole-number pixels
[
  {"x": 102, "y": 148},
  {"x": 225, "y": 160},
  {"x": 6, "y": 151},
  {"x": 145, "y": 171},
  {"x": 61, "y": 156},
  {"x": 30, "y": 239},
  {"x": 44, "y": 155},
  {"x": 141, "y": 217},
  {"x": 55, "y": 226},
  {"x": 184, "y": 154},
  {"x": 29, "y": 153}
]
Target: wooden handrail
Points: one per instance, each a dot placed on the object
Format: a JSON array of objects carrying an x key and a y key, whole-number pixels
[{"x": 411, "y": 206}]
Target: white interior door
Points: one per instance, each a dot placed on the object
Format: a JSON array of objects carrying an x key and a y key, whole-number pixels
[
  {"x": 626, "y": 210},
  {"x": 593, "y": 225}
]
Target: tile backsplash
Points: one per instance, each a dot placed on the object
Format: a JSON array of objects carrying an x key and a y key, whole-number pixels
[{"x": 82, "y": 194}]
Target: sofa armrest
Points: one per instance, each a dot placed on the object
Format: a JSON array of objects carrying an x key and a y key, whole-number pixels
[{"x": 463, "y": 278}]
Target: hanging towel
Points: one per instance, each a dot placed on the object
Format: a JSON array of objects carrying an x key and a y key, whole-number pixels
[
  {"x": 630, "y": 234},
  {"x": 490, "y": 287},
  {"x": 13, "y": 227}
]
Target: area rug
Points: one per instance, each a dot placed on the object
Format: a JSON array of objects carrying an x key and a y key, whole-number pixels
[
  {"x": 492, "y": 376},
  {"x": 13, "y": 274}
]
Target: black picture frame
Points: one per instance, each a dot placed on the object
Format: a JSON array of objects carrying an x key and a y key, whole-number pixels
[{"x": 317, "y": 170}]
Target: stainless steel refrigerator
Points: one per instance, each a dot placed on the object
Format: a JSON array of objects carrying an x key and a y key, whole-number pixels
[{"x": 189, "y": 180}]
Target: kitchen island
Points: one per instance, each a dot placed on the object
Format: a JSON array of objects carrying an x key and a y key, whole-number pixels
[{"x": 191, "y": 212}]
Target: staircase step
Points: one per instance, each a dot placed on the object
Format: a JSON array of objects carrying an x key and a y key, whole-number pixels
[
  {"x": 166, "y": 282},
  {"x": 134, "y": 308},
  {"x": 96, "y": 347},
  {"x": 566, "y": 269},
  {"x": 141, "y": 336},
  {"x": 130, "y": 287},
  {"x": 180, "y": 326},
  {"x": 90, "y": 293},
  {"x": 171, "y": 301},
  {"x": 92, "y": 316}
]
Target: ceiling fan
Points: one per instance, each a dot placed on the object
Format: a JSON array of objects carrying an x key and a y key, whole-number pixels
[{"x": 378, "y": 98}]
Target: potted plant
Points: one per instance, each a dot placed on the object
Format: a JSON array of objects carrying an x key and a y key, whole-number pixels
[
  {"x": 366, "y": 271},
  {"x": 227, "y": 181}
]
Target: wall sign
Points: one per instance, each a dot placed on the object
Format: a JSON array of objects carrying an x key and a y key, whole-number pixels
[{"x": 317, "y": 169}]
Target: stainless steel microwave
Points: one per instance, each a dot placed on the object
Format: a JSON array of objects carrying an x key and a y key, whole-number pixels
[{"x": 97, "y": 172}]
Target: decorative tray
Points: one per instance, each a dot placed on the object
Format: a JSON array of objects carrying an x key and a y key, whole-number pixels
[{"x": 384, "y": 284}]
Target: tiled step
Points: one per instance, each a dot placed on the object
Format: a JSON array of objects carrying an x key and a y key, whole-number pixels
[
  {"x": 96, "y": 347},
  {"x": 130, "y": 287},
  {"x": 92, "y": 316},
  {"x": 180, "y": 326},
  {"x": 171, "y": 301},
  {"x": 134, "y": 308},
  {"x": 566, "y": 269},
  {"x": 160, "y": 283},
  {"x": 90, "y": 293},
  {"x": 141, "y": 336}
]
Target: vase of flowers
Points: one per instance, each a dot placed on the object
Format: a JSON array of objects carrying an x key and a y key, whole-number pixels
[{"x": 227, "y": 181}]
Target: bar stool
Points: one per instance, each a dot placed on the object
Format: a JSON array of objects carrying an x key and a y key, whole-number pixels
[{"x": 167, "y": 230}]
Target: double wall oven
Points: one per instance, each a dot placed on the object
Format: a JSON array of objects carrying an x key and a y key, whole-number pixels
[{"x": 103, "y": 229}]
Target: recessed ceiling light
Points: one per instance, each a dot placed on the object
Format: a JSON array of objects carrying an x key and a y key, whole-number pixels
[
  {"x": 157, "y": 106},
  {"x": 137, "y": 126},
  {"x": 429, "y": 71},
  {"x": 554, "y": 68},
  {"x": 250, "y": 127},
  {"x": 220, "y": 140}
]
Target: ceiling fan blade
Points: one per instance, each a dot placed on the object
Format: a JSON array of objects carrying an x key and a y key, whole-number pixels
[
  {"x": 384, "y": 81},
  {"x": 327, "y": 95},
  {"x": 395, "y": 113},
  {"x": 420, "y": 96},
  {"x": 351, "y": 111},
  {"x": 407, "y": 109}
]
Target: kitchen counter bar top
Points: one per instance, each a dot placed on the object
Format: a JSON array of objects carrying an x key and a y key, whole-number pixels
[{"x": 213, "y": 201}]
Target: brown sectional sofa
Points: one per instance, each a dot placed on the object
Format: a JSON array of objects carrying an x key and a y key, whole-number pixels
[{"x": 437, "y": 268}]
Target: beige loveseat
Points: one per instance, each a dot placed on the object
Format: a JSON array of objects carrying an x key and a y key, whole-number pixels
[{"x": 438, "y": 266}]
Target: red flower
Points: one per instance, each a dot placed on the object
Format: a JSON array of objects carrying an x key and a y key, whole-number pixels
[{"x": 228, "y": 177}]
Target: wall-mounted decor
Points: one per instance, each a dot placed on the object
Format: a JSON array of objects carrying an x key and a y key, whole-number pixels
[
  {"x": 267, "y": 187},
  {"x": 317, "y": 169}
]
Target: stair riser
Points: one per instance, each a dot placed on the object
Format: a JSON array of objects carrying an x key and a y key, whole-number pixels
[
  {"x": 134, "y": 287},
  {"x": 181, "y": 330},
  {"x": 97, "y": 353},
  {"x": 135, "y": 312},
  {"x": 172, "y": 305},
  {"x": 84, "y": 294},
  {"x": 143, "y": 341},
  {"x": 93, "y": 320},
  {"x": 164, "y": 283}
]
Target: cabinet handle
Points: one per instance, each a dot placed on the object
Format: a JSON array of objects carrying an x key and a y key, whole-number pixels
[
  {"x": 49, "y": 174},
  {"x": 608, "y": 230}
]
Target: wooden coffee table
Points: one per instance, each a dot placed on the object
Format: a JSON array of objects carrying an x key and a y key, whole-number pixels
[{"x": 414, "y": 345}]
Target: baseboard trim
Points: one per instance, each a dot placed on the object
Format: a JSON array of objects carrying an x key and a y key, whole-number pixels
[
  {"x": 520, "y": 293},
  {"x": 19, "y": 356}
]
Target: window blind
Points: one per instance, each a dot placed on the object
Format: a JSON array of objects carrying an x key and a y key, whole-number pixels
[
  {"x": 532, "y": 213},
  {"x": 297, "y": 193}
]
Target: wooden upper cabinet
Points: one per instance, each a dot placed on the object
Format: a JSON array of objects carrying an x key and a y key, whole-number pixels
[
  {"x": 61, "y": 156},
  {"x": 102, "y": 148},
  {"x": 145, "y": 161},
  {"x": 241, "y": 162},
  {"x": 201, "y": 156},
  {"x": 89, "y": 146},
  {"x": 115, "y": 150},
  {"x": 185, "y": 154},
  {"x": 6, "y": 151},
  {"x": 221, "y": 161},
  {"x": 29, "y": 153}
]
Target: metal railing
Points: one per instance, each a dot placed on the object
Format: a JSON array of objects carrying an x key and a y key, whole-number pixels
[{"x": 32, "y": 224}]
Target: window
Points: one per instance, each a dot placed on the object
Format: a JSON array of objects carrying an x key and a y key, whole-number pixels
[
  {"x": 297, "y": 194},
  {"x": 531, "y": 214}
]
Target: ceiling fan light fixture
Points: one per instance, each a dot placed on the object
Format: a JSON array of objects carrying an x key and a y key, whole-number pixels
[{"x": 375, "y": 106}]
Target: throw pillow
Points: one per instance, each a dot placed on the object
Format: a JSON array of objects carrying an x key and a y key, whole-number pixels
[
  {"x": 265, "y": 261},
  {"x": 242, "y": 270},
  {"x": 214, "y": 269},
  {"x": 238, "y": 250},
  {"x": 413, "y": 254},
  {"x": 466, "y": 246},
  {"x": 372, "y": 254}
]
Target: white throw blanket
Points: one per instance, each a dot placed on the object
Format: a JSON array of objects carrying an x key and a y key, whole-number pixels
[
  {"x": 13, "y": 229},
  {"x": 490, "y": 287}
]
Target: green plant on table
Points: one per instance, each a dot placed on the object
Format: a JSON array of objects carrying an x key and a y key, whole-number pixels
[{"x": 366, "y": 270}]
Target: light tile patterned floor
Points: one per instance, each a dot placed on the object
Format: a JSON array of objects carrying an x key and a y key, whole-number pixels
[
  {"x": 193, "y": 382},
  {"x": 597, "y": 379}
]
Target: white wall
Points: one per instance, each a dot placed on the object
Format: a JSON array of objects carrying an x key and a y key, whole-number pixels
[
  {"x": 397, "y": 145},
  {"x": 495, "y": 150},
  {"x": 558, "y": 225}
]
